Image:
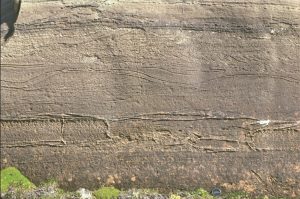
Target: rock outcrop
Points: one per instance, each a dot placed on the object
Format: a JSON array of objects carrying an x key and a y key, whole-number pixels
[{"x": 150, "y": 93}]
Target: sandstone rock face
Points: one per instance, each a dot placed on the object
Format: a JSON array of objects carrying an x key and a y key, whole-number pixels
[{"x": 151, "y": 93}]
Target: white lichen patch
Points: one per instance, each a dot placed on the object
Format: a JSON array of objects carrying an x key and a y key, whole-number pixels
[{"x": 85, "y": 194}]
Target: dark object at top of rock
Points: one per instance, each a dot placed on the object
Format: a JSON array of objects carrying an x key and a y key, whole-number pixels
[
  {"x": 9, "y": 14},
  {"x": 216, "y": 192}
]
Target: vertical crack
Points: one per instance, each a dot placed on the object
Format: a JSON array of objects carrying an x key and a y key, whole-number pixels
[{"x": 62, "y": 122}]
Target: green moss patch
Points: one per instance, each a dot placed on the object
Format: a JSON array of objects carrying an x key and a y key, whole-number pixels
[
  {"x": 237, "y": 195},
  {"x": 107, "y": 193},
  {"x": 11, "y": 176},
  {"x": 201, "y": 193},
  {"x": 175, "y": 196}
]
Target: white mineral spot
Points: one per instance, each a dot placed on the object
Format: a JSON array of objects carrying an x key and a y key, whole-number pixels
[
  {"x": 272, "y": 31},
  {"x": 85, "y": 194},
  {"x": 263, "y": 122},
  {"x": 89, "y": 59}
]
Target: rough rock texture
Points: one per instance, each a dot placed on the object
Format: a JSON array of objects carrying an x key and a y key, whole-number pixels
[{"x": 150, "y": 93}]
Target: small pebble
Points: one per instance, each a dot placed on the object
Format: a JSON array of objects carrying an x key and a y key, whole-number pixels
[{"x": 216, "y": 192}]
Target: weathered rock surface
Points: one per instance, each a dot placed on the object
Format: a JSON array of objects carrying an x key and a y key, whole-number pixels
[{"x": 150, "y": 93}]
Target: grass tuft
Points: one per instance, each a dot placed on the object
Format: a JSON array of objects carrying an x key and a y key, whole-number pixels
[
  {"x": 201, "y": 193},
  {"x": 11, "y": 176},
  {"x": 107, "y": 193},
  {"x": 175, "y": 196},
  {"x": 238, "y": 195}
]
